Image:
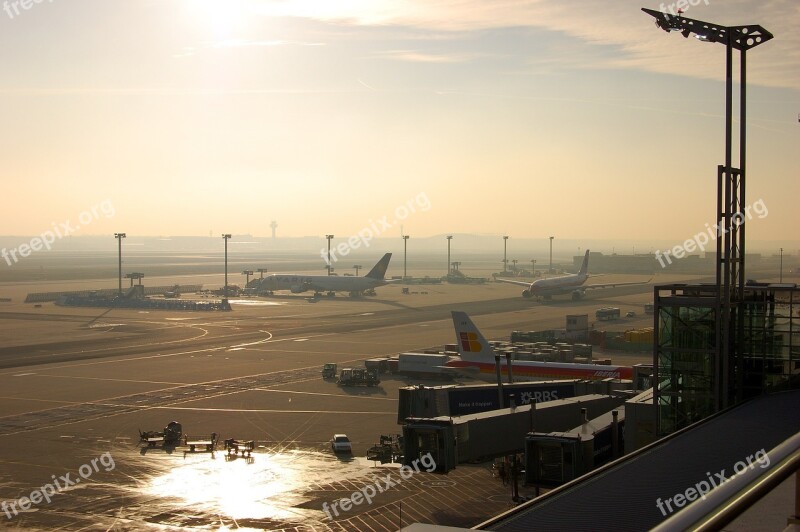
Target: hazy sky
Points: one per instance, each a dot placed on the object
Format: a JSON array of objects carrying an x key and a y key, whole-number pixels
[{"x": 572, "y": 118}]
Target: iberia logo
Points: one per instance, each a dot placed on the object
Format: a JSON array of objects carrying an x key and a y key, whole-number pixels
[{"x": 470, "y": 343}]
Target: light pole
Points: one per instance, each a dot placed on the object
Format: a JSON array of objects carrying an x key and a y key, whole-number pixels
[
  {"x": 514, "y": 262},
  {"x": 405, "y": 256},
  {"x": 533, "y": 267},
  {"x": 247, "y": 273},
  {"x": 225, "y": 237},
  {"x": 781, "y": 265},
  {"x": 730, "y": 267},
  {"x": 357, "y": 267},
  {"x": 551, "y": 255},
  {"x": 329, "y": 237},
  {"x": 449, "y": 238},
  {"x": 119, "y": 237},
  {"x": 505, "y": 256},
  {"x": 262, "y": 271}
]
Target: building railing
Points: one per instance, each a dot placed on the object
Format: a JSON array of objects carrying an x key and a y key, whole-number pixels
[{"x": 725, "y": 503}]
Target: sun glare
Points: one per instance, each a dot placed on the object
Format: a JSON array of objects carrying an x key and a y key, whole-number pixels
[
  {"x": 364, "y": 11},
  {"x": 225, "y": 19}
]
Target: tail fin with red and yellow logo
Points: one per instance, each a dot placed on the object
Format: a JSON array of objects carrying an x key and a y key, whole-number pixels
[{"x": 472, "y": 346}]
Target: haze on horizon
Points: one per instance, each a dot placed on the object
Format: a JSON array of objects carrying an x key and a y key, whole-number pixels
[{"x": 528, "y": 118}]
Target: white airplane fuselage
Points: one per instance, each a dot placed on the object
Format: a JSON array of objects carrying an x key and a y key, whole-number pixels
[
  {"x": 329, "y": 283},
  {"x": 557, "y": 285},
  {"x": 574, "y": 284},
  {"x": 321, "y": 283},
  {"x": 477, "y": 359}
]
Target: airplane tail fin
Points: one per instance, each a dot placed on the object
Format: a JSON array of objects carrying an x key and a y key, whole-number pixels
[
  {"x": 472, "y": 346},
  {"x": 379, "y": 270},
  {"x": 585, "y": 265}
]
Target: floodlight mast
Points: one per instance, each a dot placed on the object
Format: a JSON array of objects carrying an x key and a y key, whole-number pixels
[{"x": 730, "y": 268}]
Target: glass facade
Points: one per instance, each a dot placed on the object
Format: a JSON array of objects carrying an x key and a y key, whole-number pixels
[
  {"x": 693, "y": 379},
  {"x": 769, "y": 341}
]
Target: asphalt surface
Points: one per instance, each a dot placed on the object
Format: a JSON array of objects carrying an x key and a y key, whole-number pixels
[{"x": 78, "y": 384}]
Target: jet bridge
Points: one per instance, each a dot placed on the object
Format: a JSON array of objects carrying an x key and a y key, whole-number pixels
[
  {"x": 553, "y": 458},
  {"x": 486, "y": 435},
  {"x": 748, "y": 443}
]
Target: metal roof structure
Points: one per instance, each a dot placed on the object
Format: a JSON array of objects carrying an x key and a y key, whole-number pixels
[{"x": 625, "y": 494}]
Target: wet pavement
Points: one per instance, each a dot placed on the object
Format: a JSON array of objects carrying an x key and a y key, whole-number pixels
[{"x": 144, "y": 488}]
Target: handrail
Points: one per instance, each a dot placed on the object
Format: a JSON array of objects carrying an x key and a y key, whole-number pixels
[{"x": 726, "y": 502}]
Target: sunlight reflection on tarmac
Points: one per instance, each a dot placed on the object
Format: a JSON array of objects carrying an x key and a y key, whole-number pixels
[{"x": 267, "y": 487}]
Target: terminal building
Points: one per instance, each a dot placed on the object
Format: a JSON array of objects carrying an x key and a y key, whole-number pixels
[{"x": 715, "y": 409}]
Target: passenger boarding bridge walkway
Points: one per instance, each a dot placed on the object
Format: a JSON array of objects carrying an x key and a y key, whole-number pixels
[{"x": 701, "y": 477}]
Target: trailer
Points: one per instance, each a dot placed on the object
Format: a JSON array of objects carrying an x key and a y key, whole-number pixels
[
  {"x": 169, "y": 437},
  {"x": 201, "y": 446},
  {"x": 358, "y": 377},
  {"x": 234, "y": 447}
]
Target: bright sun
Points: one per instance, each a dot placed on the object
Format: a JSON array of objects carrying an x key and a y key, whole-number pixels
[{"x": 224, "y": 18}]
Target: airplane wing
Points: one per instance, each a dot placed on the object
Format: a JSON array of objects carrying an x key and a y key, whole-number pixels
[
  {"x": 611, "y": 285},
  {"x": 509, "y": 281}
]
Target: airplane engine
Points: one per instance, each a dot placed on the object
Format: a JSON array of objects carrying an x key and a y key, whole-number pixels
[
  {"x": 577, "y": 294},
  {"x": 297, "y": 289},
  {"x": 526, "y": 293}
]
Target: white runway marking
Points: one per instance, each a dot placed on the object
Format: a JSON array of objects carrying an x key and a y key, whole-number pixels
[
  {"x": 111, "y": 380},
  {"x": 268, "y": 411},
  {"x": 339, "y": 395}
]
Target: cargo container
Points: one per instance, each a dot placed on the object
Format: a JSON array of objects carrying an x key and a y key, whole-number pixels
[
  {"x": 533, "y": 336},
  {"x": 381, "y": 365},
  {"x": 640, "y": 336}
]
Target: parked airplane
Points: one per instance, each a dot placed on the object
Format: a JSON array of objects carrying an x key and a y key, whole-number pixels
[
  {"x": 174, "y": 292},
  {"x": 546, "y": 288},
  {"x": 329, "y": 283},
  {"x": 477, "y": 359}
]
